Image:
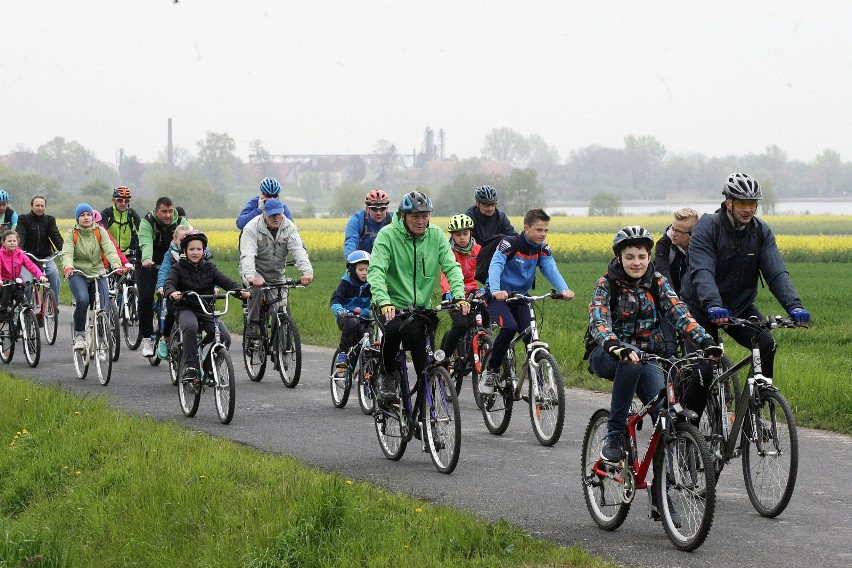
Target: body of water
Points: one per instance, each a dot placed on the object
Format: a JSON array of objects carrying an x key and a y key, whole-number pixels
[{"x": 782, "y": 208}]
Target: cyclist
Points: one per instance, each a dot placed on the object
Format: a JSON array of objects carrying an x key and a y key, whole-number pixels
[
  {"x": 526, "y": 252},
  {"x": 193, "y": 273},
  {"x": 8, "y": 217},
  {"x": 728, "y": 252},
  {"x": 264, "y": 244},
  {"x": 39, "y": 236},
  {"x": 97, "y": 218},
  {"x": 122, "y": 221},
  {"x": 404, "y": 267},
  {"x": 156, "y": 232},
  {"x": 363, "y": 226},
  {"x": 465, "y": 249},
  {"x": 85, "y": 250},
  {"x": 12, "y": 261},
  {"x": 269, "y": 189},
  {"x": 641, "y": 298},
  {"x": 169, "y": 259},
  {"x": 352, "y": 296},
  {"x": 488, "y": 221},
  {"x": 670, "y": 260}
]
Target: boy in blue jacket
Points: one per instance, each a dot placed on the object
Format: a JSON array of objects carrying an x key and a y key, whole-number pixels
[{"x": 351, "y": 299}]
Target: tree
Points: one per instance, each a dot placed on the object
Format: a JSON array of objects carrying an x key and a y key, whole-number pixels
[
  {"x": 96, "y": 192},
  {"x": 217, "y": 161},
  {"x": 356, "y": 170},
  {"x": 457, "y": 197},
  {"x": 348, "y": 198},
  {"x": 769, "y": 203},
  {"x": 522, "y": 192},
  {"x": 505, "y": 144},
  {"x": 193, "y": 193},
  {"x": 181, "y": 158},
  {"x": 829, "y": 172},
  {"x": 387, "y": 161},
  {"x": 543, "y": 157},
  {"x": 605, "y": 205},
  {"x": 645, "y": 157},
  {"x": 130, "y": 171},
  {"x": 260, "y": 155},
  {"x": 71, "y": 164}
]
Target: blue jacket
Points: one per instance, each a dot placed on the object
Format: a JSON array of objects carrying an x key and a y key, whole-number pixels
[
  {"x": 517, "y": 275},
  {"x": 350, "y": 295},
  {"x": 355, "y": 229},
  {"x": 723, "y": 271},
  {"x": 251, "y": 210}
]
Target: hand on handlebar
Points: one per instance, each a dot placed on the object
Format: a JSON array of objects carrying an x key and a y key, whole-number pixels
[
  {"x": 624, "y": 354},
  {"x": 306, "y": 279},
  {"x": 388, "y": 311},
  {"x": 718, "y": 315},
  {"x": 800, "y": 315},
  {"x": 463, "y": 306},
  {"x": 500, "y": 295}
]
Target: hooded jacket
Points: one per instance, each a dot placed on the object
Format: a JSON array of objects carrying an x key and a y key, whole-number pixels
[
  {"x": 350, "y": 295},
  {"x": 265, "y": 254},
  {"x": 85, "y": 254},
  {"x": 12, "y": 261},
  {"x": 200, "y": 278},
  {"x": 468, "y": 268},
  {"x": 518, "y": 273}
]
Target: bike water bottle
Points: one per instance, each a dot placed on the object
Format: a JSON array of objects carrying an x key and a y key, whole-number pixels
[{"x": 479, "y": 320}]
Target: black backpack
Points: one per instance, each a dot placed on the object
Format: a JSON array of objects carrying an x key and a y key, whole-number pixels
[{"x": 486, "y": 252}]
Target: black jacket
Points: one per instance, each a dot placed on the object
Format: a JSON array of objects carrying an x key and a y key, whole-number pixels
[
  {"x": 670, "y": 261},
  {"x": 200, "y": 278},
  {"x": 38, "y": 234},
  {"x": 485, "y": 228}
]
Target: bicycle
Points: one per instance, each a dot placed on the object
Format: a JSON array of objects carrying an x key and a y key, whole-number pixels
[
  {"x": 126, "y": 295},
  {"x": 754, "y": 428},
  {"x": 545, "y": 394},
  {"x": 215, "y": 366},
  {"x": 45, "y": 301},
  {"x": 282, "y": 343},
  {"x": 469, "y": 355},
  {"x": 21, "y": 323},
  {"x": 98, "y": 332},
  {"x": 679, "y": 454},
  {"x": 433, "y": 416},
  {"x": 359, "y": 368}
]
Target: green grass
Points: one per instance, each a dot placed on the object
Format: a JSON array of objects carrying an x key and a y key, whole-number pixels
[{"x": 84, "y": 485}]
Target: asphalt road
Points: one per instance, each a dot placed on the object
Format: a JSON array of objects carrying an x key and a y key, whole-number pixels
[{"x": 509, "y": 476}]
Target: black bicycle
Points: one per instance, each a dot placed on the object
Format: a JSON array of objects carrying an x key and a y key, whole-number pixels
[
  {"x": 20, "y": 323},
  {"x": 342, "y": 379},
  {"x": 469, "y": 355}
]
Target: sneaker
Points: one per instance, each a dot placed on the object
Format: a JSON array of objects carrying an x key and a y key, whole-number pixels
[
  {"x": 190, "y": 375},
  {"x": 79, "y": 343},
  {"x": 253, "y": 331},
  {"x": 386, "y": 386},
  {"x": 656, "y": 514},
  {"x": 163, "y": 349},
  {"x": 487, "y": 381},
  {"x": 342, "y": 360},
  {"x": 147, "y": 347},
  {"x": 612, "y": 449}
]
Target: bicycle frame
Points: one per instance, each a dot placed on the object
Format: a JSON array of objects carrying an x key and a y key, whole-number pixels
[{"x": 535, "y": 343}]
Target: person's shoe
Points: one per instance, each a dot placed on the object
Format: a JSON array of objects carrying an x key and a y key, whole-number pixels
[
  {"x": 163, "y": 349},
  {"x": 190, "y": 375},
  {"x": 612, "y": 449},
  {"x": 253, "y": 331},
  {"x": 487, "y": 381},
  {"x": 79, "y": 343},
  {"x": 656, "y": 513},
  {"x": 387, "y": 387},
  {"x": 147, "y": 347},
  {"x": 342, "y": 360}
]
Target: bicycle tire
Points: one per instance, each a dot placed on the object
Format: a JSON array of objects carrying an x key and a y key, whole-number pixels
[
  {"x": 7, "y": 341},
  {"x": 81, "y": 358},
  {"x": 189, "y": 392},
  {"x": 339, "y": 386},
  {"x": 686, "y": 486},
  {"x": 115, "y": 325},
  {"x": 547, "y": 398},
  {"x": 710, "y": 426},
  {"x": 31, "y": 336},
  {"x": 497, "y": 407},
  {"x": 50, "y": 317},
  {"x": 368, "y": 367},
  {"x": 603, "y": 494},
  {"x": 225, "y": 385},
  {"x": 457, "y": 363},
  {"x": 254, "y": 356},
  {"x": 485, "y": 345},
  {"x": 443, "y": 430},
  {"x": 130, "y": 324},
  {"x": 176, "y": 363},
  {"x": 771, "y": 478},
  {"x": 289, "y": 351},
  {"x": 103, "y": 347},
  {"x": 389, "y": 433}
]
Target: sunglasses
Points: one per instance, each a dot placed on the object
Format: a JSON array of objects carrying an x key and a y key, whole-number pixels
[
  {"x": 377, "y": 208},
  {"x": 745, "y": 203},
  {"x": 122, "y": 200}
]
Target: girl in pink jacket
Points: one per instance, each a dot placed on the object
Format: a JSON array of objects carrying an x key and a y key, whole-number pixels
[{"x": 12, "y": 259}]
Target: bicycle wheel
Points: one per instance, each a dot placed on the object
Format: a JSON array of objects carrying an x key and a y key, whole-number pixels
[
  {"x": 367, "y": 368},
  {"x": 50, "y": 317},
  {"x": 115, "y": 324},
  {"x": 176, "y": 356},
  {"x": 130, "y": 321},
  {"x": 602, "y": 491},
  {"x": 686, "y": 485},
  {"x": 443, "y": 430},
  {"x": 225, "y": 389},
  {"x": 710, "y": 426},
  {"x": 771, "y": 462},
  {"x": 103, "y": 347},
  {"x": 547, "y": 397},
  {"x": 81, "y": 358},
  {"x": 340, "y": 385},
  {"x": 189, "y": 392},
  {"x": 31, "y": 336},
  {"x": 289, "y": 351},
  {"x": 254, "y": 356},
  {"x": 484, "y": 346},
  {"x": 389, "y": 433},
  {"x": 497, "y": 407},
  {"x": 7, "y": 340}
]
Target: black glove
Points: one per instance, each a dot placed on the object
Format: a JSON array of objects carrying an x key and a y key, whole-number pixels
[{"x": 621, "y": 354}]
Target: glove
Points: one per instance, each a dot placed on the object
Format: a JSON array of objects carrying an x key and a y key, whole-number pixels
[
  {"x": 621, "y": 353},
  {"x": 386, "y": 308},
  {"x": 448, "y": 296},
  {"x": 461, "y": 303},
  {"x": 715, "y": 313},
  {"x": 800, "y": 315},
  {"x": 68, "y": 272}
]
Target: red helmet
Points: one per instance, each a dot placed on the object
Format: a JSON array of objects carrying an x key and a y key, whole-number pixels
[{"x": 376, "y": 197}]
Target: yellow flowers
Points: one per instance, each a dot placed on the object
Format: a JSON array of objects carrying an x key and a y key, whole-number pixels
[{"x": 18, "y": 435}]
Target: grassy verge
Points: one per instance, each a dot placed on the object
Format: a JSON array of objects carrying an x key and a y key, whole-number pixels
[{"x": 83, "y": 485}]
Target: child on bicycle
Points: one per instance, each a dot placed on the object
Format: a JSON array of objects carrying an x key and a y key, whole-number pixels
[
  {"x": 512, "y": 269},
  {"x": 85, "y": 248},
  {"x": 624, "y": 320},
  {"x": 170, "y": 258},
  {"x": 465, "y": 249},
  {"x": 12, "y": 259},
  {"x": 194, "y": 273},
  {"x": 351, "y": 298}
]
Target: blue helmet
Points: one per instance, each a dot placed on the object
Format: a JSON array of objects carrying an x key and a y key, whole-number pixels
[
  {"x": 4, "y": 196},
  {"x": 357, "y": 256},
  {"x": 270, "y": 187},
  {"x": 485, "y": 194},
  {"x": 415, "y": 202}
]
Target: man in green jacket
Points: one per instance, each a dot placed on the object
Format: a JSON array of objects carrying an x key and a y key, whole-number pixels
[{"x": 404, "y": 271}]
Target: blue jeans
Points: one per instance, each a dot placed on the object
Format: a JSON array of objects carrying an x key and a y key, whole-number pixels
[
  {"x": 53, "y": 277},
  {"x": 643, "y": 379},
  {"x": 80, "y": 289}
]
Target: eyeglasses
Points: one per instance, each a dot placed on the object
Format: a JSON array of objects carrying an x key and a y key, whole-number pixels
[
  {"x": 377, "y": 207},
  {"x": 745, "y": 203},
  {"x": 679, "y": 232}
]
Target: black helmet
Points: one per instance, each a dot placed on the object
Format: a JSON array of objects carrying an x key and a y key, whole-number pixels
[
  {"x": 633, "y": 235},
  {"x": 415, "y": 202},
  {"x": 192, "y": 236},
  {"x": 742, "y": 187},
  {"x": 485, "y": 194}
]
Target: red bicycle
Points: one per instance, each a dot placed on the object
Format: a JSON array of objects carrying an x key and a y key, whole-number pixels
[{"x": 45, "y": 301}]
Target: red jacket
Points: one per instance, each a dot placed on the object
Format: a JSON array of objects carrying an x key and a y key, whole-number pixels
[
  {"x": 468, "y": 266},
  {"x": 11, "y": 263}
]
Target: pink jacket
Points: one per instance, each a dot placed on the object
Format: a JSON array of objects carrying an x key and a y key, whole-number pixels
[{"x": 12, "y": 262}]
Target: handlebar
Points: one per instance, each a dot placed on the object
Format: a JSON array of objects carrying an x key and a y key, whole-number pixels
[
  {"x": 770, "y": 322},
  {"x": 43, "y": 261},
  {"x": 517, "y": 296},
  {"x": 205, "y": 299},
  {"x": 95, "y": 276},
  {"x": 288, "y": 283}
]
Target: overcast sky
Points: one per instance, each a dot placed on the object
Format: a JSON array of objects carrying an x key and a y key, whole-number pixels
[{"x": 336, "y": 76}]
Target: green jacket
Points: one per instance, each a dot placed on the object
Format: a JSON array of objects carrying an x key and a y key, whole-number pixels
[
  {"x": 85, "y": 254},
  {"x": 155, "y": 238},
  {"x": 405, "y": 270}
]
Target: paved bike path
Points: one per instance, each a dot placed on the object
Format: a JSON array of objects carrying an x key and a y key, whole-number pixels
[{"x": 509, "y": 476}]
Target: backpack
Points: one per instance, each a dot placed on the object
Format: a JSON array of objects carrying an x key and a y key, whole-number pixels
[
  {"x": 366, "y": 233},
  {"x": 486, "y": 252},
  {"x": 97, "y": 238},
  {"x": 588, "y": 341}
]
